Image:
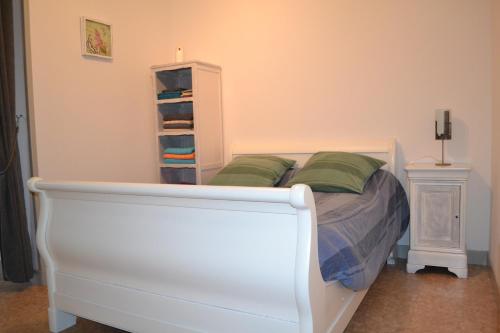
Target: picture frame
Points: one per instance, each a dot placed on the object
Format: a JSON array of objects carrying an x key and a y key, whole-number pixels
[{"x": 96, "y": 38}]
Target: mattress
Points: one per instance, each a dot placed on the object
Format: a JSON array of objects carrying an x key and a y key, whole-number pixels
[{"x": 356, "y": 232}]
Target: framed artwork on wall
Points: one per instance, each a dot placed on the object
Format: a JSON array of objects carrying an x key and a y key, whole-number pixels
[{"x": 96, "y": 38}]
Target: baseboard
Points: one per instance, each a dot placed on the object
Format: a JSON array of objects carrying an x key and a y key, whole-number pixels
[
  {"x": 478, "y": 258},
  {"x": 473, "y": 257},
  {"x": 402, "y": 251},
  {"x": 37, "y": 279}
]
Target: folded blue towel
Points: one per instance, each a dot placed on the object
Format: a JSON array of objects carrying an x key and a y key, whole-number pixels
[
  {"x": 167, "y": 95},
  {"x": 175, "y": 161},
  {"x": 177, "y": 150}
]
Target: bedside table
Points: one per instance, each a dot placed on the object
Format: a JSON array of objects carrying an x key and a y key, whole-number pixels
[{"x": 437, "y": 222}]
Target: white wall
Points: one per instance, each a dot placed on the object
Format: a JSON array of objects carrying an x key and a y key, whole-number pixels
[
  {"x": 495, "y": 220},
  {"x": 292, "y": 71}
]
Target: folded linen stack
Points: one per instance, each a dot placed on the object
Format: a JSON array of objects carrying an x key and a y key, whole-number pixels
[
  {"x": 178, "y": 124},
  {"x": 175, "y": 93},
  {"x": 179, "y": 155},
  {"x": 187, "y": 93},
  {"x": 169, "y": 94}
]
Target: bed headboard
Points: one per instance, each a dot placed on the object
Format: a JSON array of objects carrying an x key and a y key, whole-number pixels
[{"x": 383, "y": 150}]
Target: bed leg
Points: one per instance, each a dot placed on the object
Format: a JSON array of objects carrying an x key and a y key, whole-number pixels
[
  {"x": 60, "y": 320},
  {"x": 391, "y": 259}
]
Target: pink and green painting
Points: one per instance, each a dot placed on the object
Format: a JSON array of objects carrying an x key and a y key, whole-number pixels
[{"x": 97, "y": 38}]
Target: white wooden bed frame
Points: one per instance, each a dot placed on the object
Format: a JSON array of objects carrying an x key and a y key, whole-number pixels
[{"x": 176, "y": 258}]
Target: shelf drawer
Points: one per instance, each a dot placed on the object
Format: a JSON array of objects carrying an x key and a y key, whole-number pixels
[
  {"x": 178, "y": 141},
  {"x": 178, "y": 111},
  {"x": 178, "y": 175},
  {"x": 174, "y": 79}
]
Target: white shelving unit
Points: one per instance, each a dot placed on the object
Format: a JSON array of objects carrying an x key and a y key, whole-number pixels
[{"x": 204, "y": 107}]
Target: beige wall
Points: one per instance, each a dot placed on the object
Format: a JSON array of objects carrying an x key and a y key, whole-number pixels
[
  {"x": 93, "y": 118},
  {"x": 495, "y": 151},
  {"x": 292, "y": 71}
]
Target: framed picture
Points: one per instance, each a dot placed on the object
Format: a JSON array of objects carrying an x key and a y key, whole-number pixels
[{"x": 96, "y": 38}]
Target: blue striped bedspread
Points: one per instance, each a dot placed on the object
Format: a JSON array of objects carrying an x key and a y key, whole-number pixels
[{"x": 356, "y": 232}]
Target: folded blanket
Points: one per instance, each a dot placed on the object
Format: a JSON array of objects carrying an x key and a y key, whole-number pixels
[
  {"x": 178, "y": 150},
  {"x": 188, "y": 115},
  {"x": 172, "y": 122},
  {"x": 178, "y": 126},
  {"x": 174, "y": 161},
  {"x": 180, "y": 156}
]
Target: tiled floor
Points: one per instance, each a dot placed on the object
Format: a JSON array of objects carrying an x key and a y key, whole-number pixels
[
  {"x": 433, "y": 300},
  {"x": 430, "y": 301}
]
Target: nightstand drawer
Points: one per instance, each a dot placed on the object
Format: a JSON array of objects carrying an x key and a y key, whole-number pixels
[{"x": 437, "y": 216}]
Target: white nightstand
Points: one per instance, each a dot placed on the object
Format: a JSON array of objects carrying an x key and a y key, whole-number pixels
[{"x": 437, "y": 224}]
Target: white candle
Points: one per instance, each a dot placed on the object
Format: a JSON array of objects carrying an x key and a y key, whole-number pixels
[{"x": 179, "y": 54}]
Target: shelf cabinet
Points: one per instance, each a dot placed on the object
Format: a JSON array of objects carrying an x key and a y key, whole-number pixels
[
  {"x": 188, "y": 113},
  {"x": 437, "y": 226}
]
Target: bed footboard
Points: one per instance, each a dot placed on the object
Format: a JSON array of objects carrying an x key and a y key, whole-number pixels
[{"x": 170, "y": 258}]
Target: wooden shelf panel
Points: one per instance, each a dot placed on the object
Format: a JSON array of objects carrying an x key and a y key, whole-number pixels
[
  {"x": 165, "y": 165},
  {"x": 174, "y": 100}
]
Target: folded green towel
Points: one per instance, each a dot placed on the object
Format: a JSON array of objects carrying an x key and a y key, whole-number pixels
[
  {"x": 177, "y": 150},
  {"x": 175, "y": 161}
]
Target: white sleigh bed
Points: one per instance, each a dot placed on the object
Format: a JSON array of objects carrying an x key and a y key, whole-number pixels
[{"x": 176, "y": 258}]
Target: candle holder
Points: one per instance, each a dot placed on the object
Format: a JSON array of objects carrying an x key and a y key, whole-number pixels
[{"x": 443, "y": 131}]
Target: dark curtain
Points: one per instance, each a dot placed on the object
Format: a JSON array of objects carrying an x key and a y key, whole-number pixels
[{"x": 15, "y": 246}]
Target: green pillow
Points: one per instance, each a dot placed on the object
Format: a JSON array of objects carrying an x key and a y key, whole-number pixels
[
  {"x": 337, "y": 172},
  {"x": 256, "y": 170}
]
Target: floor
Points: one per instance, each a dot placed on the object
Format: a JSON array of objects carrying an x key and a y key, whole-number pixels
[{"x": 432, "y": 300}]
